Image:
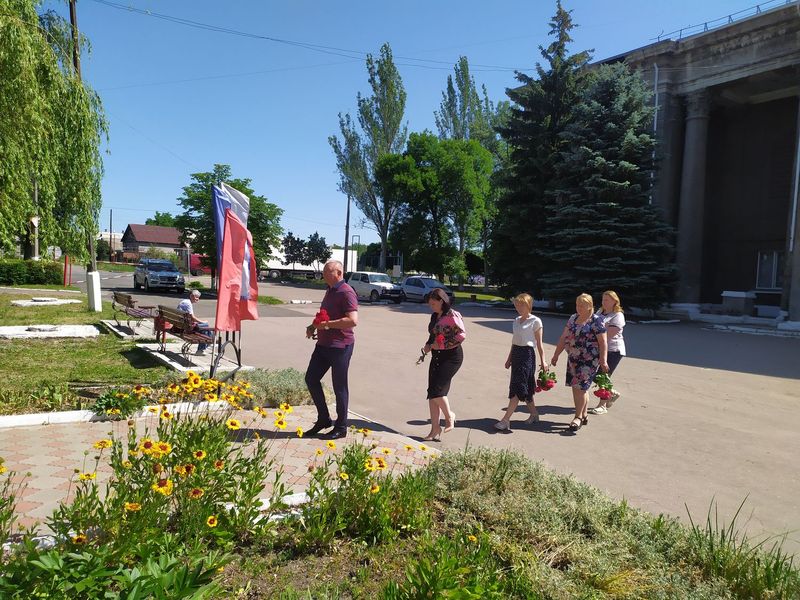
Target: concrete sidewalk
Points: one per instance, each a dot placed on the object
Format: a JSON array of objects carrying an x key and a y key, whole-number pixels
[{"x": 46, "y": 457}]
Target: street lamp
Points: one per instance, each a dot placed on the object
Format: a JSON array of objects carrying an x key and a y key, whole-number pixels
[{"x": 347, "y": 234}]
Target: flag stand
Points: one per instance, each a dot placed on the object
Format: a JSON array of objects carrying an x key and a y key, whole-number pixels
[{"x": 230, "y": 339}]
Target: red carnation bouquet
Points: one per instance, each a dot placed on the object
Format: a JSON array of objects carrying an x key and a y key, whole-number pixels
[
  {"x": 440, "y": 341},
  {"x": 546, "y": 380},
  {"x": 604, "y": 386},
  {"x": 320, "y": 318}
]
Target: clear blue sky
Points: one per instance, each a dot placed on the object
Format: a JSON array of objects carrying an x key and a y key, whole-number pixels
[{"x": 180, "y": 99}]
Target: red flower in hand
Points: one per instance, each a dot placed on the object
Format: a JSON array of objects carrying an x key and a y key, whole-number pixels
[
  {"x": 320, "y": 318},
  {"x": 440, "y": 341}
]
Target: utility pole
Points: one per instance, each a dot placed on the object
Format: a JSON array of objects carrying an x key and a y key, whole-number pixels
[
  {"x": 111, "y": 234},
  {"x": 92, "y": 276},
  {"x": 76, "y": 62},
  {"x": 347, "y": 235}
]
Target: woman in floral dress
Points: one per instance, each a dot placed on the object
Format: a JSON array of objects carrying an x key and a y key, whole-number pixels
[{"x": 584, "y": 338}]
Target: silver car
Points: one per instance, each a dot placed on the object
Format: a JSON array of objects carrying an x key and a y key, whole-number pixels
[
  {"x": 415, "y": 287},
  {"x": 155, "y": 273}
]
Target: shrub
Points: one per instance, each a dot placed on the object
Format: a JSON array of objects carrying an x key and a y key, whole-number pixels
[
  {"x": 46, "y": 398},
  {"x": 20, "y": 272}
]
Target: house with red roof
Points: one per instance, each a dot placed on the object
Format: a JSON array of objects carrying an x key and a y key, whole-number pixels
[{"x": 139, "y": 239}]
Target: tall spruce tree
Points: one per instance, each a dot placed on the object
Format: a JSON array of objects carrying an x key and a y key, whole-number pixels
[
  {"x": 602, "y": 232},
  {"x": 542, "y": 109}
]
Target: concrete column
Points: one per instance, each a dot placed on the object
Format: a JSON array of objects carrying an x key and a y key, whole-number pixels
[
  {"x": 692, "y": 198},
  {"x": 669, "y": 154},
  {"x": 791, "y": 284}
]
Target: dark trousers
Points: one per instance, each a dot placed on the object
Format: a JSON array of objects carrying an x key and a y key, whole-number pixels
[
  {"x": 613, "y": 360},
  {"x": 338, "y": 361}
]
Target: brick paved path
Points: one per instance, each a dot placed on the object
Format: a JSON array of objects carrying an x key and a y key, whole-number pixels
[{"x": 52, "y": 453}]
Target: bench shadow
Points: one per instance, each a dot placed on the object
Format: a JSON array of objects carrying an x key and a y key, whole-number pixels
[{"x": 139, "y": 359}]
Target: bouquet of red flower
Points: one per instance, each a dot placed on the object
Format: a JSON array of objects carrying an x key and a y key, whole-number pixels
[
  {"x": 320, "y": 318},
  {"x": 546, "y": 380},
  {"x": 604, "y": 386},
  {"x": 440, "y": 341}
]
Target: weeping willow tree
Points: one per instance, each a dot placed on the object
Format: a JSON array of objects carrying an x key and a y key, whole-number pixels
[{"x": 51, "y": 128}]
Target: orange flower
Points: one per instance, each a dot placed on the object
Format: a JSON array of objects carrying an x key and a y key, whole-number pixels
[
  {"x": 219, "y": 464},
  {"x": 133, "y": 506},
  {"x": 196, "y": 493},
  {"x": 164, "y": 447},
  {"x": 79, "y": 539}
]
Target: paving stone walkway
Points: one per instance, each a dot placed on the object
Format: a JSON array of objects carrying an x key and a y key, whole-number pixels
[{"x": 46, "y": 457}]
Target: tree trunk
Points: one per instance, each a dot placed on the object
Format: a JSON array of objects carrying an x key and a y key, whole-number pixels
[{"x": 384, "y": 248}]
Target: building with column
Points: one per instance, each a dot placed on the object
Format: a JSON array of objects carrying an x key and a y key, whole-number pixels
[{"x": 728, "y": 130}]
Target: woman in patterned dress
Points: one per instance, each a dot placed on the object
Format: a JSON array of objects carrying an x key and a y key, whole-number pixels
[
  {"x": 445, "y": 334},
  {"x": 584, "y": 338}
]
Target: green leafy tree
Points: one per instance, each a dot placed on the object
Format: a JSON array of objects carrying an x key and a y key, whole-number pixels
[
  {"x": 543, "y": 107},
  {"x": 103, "y": 250},
  {"x": 380, "y": 131},
  {"x": 444, "y": 184},
  {"x": 164, "y": 219},
  {"x": 317, "y": 251},
  {"x": 603, "y": 233},
  {"x": 51, "y": 127},
  {"x": 196, "y": 223},
  {"x": 294, "y": 250}
]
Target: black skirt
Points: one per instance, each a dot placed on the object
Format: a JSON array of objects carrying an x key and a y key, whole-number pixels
[
  {"x": 523, "y": 373},
  {"x": 444, "y": 364}
]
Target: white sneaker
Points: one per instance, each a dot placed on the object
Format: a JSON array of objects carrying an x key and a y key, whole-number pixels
[
  {"x": 614, "y": 397},
  {"x": 600, "y": 410},
  {"x": 502, "y": 426}
]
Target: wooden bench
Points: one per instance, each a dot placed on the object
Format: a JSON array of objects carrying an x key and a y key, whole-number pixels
[
  {"x": 128, "y": 305},
  {"x": 181, "y": 325}
]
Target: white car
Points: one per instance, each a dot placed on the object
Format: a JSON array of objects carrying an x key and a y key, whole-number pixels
[
  {"x": 416, "y": 287},
  {"x": 374, "y": 286}
]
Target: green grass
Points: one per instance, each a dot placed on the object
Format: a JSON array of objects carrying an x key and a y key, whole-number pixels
[
  {"x": 537, "y": 534},
  {"x": 115, "y": 267},
  {"x": 39, "y": 374},
  {"x": 42, "y": 286},
  {"x": 478, "y": 296},
  {"x": 72, "y": 314},
  {"x": 196, "y": 285}
]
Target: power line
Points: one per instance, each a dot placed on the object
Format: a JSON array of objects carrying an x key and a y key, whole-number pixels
[{"x": 333, "y": 50}]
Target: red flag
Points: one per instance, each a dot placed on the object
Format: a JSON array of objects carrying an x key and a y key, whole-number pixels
[{"x": 238, "y": 284}]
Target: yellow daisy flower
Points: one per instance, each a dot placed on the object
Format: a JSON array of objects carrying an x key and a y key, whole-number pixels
[
  {"x": 102, "y": 444},
  {"x": 331, "y": 444},
  {"x": 386, "y": 451},
  {"x": 87, "y": 476},
  {"x": 299, "y": 432},
  {"x": 472, "y": 538},
  {"x": 374, "y": 488},
  {"x": 280, "y": 423},
  {"x": 344, "y": 476},
  {"x": 79, "y": 539},
  {"x": 196, "y": 493},
  {"x": 163, "y": 486},
  {"x": 199, "y": 454},
  {"x": 133, "y": 506},
  {"x": 212, "y": 521}
]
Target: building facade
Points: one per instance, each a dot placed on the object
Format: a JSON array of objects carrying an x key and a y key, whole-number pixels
[{"x": 728, "y": 130}]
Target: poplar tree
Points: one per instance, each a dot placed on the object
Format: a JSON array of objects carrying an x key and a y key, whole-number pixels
[
  {"x": 601, "y": 231},
  {"x": 542, "y": 109},
  {"x": 380, "y": 131}
]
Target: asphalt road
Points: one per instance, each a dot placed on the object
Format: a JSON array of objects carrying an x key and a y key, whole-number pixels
[{"x": 705, "y": 416}]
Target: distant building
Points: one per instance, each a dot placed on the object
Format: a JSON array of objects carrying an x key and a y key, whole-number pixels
[
  {"x": 138, "y": 239},
  {"x": 728, "y": 131}
]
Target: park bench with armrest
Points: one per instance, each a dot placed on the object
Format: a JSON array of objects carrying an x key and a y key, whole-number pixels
[
  {"x": 128, "y": 305},
  {"x": 181, "y": 325}
]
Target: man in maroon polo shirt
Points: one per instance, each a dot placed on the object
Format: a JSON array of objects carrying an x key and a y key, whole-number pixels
[{"x": 335, "y": 341}]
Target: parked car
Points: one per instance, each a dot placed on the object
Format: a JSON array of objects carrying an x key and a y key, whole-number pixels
[
  {"x": 153, "y": 273},
  {"x": 375, "y": 286},
  {"x": 196, "y": 266},
  {"x": 415, "y": 287}
]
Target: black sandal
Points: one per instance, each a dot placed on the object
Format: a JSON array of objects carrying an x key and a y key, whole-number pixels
[
  {"x": 575, "y": 424},
  {"x": 585, "y": 420}
]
